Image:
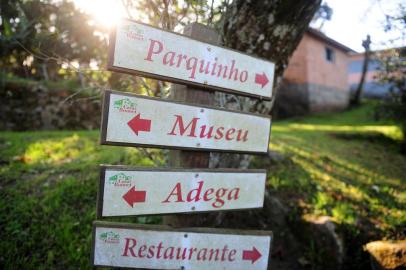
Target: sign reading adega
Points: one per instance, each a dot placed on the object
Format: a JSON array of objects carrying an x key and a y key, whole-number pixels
[
  {"x": 160, "y": 247},
  {"x": 133, "y": 120},
  {"x": 126, "y": 191},
  {"x": 152, "y": 52}
]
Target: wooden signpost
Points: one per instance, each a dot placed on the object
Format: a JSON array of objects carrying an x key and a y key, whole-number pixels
[
  {"x": 133, "y": 120},
  {"x": 144, "y": 50},
  {"x": 125, "y": 191},
  {"x": 161, "y": 247}
]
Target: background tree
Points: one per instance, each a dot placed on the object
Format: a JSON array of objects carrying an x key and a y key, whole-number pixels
[
  {"x": 323, "y": 14},
  {"x": 393, "y": 72},
  {"x": 38, "y": 38},
  {"x": 356, "y": 97}
]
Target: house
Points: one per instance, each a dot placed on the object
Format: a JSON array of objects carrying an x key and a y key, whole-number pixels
[
  {"x": 372, "y": 87},
  {"x": 316, "y": 78}
]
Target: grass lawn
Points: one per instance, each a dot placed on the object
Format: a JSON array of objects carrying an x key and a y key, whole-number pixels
[{"x": 344, "y": 165}]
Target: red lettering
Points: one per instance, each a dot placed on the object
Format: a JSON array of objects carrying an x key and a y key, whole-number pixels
[
  {"x": 235, "y": 197},
  {"x": 182, "y": 253},
  {"x": 177, "y": 191},
  {"x": 202, "y": 69},
  {"x": 158, "y": 255},
  {"x": 219, "y": 133},
  {"x": 231, "y": 255},
  {"x": 209, "y": 134},
  {"x": 207, "y": 193},
  {"x": 191, "y": 64},
  {"x": 233, "y": 71},
  {"x": 224, "y": 250},
  {"x": 229, "y": 133},
  {"x": 151, "y": 252},
  {"x": 200, "y": 256},
  {"x": 128, "y": 248},
  {"x": 211, "y": 254},
  {"x": 198, "y": 190},
  {"x": 244, "y": 138},
  {"x": 169, "y": 58},
  {"x": 219, "y": 195},
  {"x": 170, "y": 255},
  {"x": 243, "y": 76},
  {"x": 183, "y": 256},
  {"x": 141, "y": 250},
  {"x": 182, "y": 129},
  {"x": 191, "y": 250},
  {"x": 213, "y": 71},
  {"x": 151, "y": 49}
]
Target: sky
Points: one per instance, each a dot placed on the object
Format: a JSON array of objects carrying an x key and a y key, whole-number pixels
[{"x": 352, "y": 20}]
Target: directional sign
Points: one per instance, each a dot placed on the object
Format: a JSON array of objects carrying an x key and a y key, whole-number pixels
[
  {"x": 127, "y": 191},
  {"x": 160, "y": 247},
  {"x": 132, "y": 120},
  {"x": 148, "y": 51}
]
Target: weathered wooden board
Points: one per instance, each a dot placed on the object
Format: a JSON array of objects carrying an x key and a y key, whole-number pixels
[
  {"x": 132, "y": 120},
  {"x": 160, "y": 247},
  {"x": 126, "y": 191},
  {"x": 148, "y": 51}
]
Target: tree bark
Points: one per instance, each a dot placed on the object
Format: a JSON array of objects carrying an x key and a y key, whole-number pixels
[
  {"x": 270, "y": 30},
  {"x": 356, "y": 99},
  {"x": 267, "y": 29}
]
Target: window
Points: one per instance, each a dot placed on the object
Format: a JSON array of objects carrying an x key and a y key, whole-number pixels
[{"x": 329, "y": 54}]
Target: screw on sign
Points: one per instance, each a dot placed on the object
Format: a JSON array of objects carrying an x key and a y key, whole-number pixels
[
  {"x": 145, "y": 50},
  {"x": 160, "y": 247},
  {"x": 141, "y": 121},
  {"x": 126, "y": 191}
]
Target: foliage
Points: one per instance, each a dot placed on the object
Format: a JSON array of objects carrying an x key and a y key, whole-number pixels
[
  {"x": 335, "y": 165},
  {"x": 393, "y": 72},
  {"x": 346, "y": 166},
  {"x": 39, "y": 38},
  {"x": 323, "y": 14}
]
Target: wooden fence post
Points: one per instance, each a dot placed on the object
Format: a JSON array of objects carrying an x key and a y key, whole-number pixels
[{"x": 192, "y": 159}]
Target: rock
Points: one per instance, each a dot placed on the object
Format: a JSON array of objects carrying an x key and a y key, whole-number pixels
[
  {"x": 275, "y": 156},
  {"x": 387, "y": 254},
  {"x": 327, "y": 242}
]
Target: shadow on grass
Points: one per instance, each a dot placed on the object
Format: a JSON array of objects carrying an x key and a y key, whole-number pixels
[
  {"x": 48, "y": 189},
  {"x": 371, "y": 137}
]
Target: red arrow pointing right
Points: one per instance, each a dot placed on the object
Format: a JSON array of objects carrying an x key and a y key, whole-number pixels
[
  {"x": 261, "y": 79},
  {"x": 132, "y": 196},
  {"x": 251, "y": 255},
  {"x": 137, "y": 124}
]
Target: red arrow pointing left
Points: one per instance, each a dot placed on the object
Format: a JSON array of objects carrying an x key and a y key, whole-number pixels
[
  {"x": 137, "y": 124},
  {"x": 261, "y": 79},
  {"x": 251, "y": 255},
  {"x": 132, "y": 196}
]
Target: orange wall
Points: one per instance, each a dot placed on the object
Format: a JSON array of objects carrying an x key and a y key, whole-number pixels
[
  {"x": 309, "y": 65},
  {"x": 296, "y": 72}
]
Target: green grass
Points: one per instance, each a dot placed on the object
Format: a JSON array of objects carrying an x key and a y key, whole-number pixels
[{"x": 344, "y": 165}]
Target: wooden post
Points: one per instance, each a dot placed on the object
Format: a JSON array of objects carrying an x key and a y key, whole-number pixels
[{"x": 192, "y": 159}]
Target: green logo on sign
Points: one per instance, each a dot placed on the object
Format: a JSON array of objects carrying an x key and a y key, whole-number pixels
[
  {"x": 125, "y": 105},
  {"x": 120, "y": 180},
  {"x": 110, "y": 237},
  {"x": 133, "y": 31}
]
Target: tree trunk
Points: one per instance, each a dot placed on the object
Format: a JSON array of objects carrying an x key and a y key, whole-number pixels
[
  {"x": 356, "y": 99},
  {"x": 270, "y": 30},
  {"x": 267, "y": 29}
]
